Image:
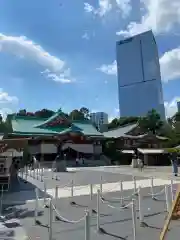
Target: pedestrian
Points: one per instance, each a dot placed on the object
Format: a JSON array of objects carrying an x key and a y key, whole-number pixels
[
  {"x": 174, "y": 162},
  {"x": 77, "y": 161}
]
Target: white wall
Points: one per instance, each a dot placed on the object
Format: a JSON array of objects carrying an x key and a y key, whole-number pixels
[{"x": 48, "y": 148}]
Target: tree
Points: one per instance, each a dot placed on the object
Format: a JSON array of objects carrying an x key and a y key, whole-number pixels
[
  {"x": 76, "y": 115},
  {"x": 44, "y": 113},
  {"x": 22, "y": 112},
  {"x": 122, "y": 122},
  {"x": 85, "y": 112},
  {"x": 151, "y": 122}
]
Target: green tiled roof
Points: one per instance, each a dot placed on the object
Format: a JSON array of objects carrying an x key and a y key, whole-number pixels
[
  {"x": 27, "y": 125},
  {"x": 36, "y": 126}
]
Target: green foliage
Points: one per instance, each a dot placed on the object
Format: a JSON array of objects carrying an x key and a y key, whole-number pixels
[
  {"x": 173, "y": 150},
  {"x": 122, "y": 122},
  {"x": 151, "y": 122}
]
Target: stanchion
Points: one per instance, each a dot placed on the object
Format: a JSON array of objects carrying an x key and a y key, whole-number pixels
[
  {"x": 98, "y": 210},
  {"x": 26, "y": 174},
  {"x": 56, "y": 195},
  {"x": 134, "y": 225},
  {"x": 37, "y": 174},
  {"x": 45, "y": 194},
  {"x": 34, "y": 173},
  {"x": 168, "y": 206},
  {"x": 41, "y": 174},
  {"x": 1, "y": 202},
  {"x": 101, "y": 182},
  {"x": 141, "y": 212},
  {"x": 135, "y": 186},
  {"x": 121, "y": 193},
  {"x": 36, "y": 208},
  {"x": 91, "y": 191},
  {"x": 98, "y": 228},
  {"x": 152, "y": 187},
  {"x": 72, "y": 193},
  {"x": 172, "y": 191},
  {"x": 87, "y": 226},
  {"x": 50, "y": 219},
  {"x": 30, "y": 171},
  {"x": 52, "y": 172}
]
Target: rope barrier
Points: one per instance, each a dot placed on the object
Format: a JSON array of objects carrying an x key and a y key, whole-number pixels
[
  {"x": 52, "y": 208},
  {"x": 118, "y": 208},
  {"x": 65, "y": 219},
  {"x": 133, "y": 207}
]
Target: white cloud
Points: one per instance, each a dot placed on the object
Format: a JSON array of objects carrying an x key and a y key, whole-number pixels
[
  {"x": 169, "y": 63},
  {"x": 64, "y": 77},
  {"x": 160, "y": 15},
  {"x": 6, "y": 98},
  {"x": 171, "y": 107},
  {"x": 106, "y": 6},
  {"x": 109, "y": 69},
  {"x": 25, "y": 48},
  {"x": 4, "y": 112}
]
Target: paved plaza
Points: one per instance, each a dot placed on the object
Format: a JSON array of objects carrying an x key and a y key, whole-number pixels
[{"x": 115, "y": 222}]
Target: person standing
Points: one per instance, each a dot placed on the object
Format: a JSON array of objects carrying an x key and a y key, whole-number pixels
[{"x": 174, "y": 162}]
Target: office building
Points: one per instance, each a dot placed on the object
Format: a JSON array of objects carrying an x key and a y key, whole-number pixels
[
  {"x": 178, "y": 106},
  {"x": 99, "y": 118},
  {"x": 139, "y": 77}
]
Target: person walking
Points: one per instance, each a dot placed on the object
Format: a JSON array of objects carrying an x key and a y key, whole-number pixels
[{"x": 174, "y": 162}]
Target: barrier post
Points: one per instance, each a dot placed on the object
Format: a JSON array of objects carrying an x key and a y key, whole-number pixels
[
  {"x": 72, "y": 193},
  {"x": 36, "y": 206},
  {"x": 172, "y": 193},
  {"x": 87, "y": 226},
  {"x": 134, "y": 219},
  {"x": 56, "y": 195},
  {"x": 37, "y": 174},
  {"x": 41, "y": 174},
  {"x": 30, "y": 171},
  {"x": 141, "y": 212},
  {"x": 26, "y": 173},
  {"x": 135, "y": 187},
  {"x": 45, "y": 194},
  {"x": 121, "y": 193},
  {"x": 52, "y": 172},
  {"x": 34, "y": 172},
  {"x": 1, "y": 203},
  {"x": 50, "y": 219},
  {"x": 167, "y": 198},
  {"x": 98, "y": 210},
  {"x": 101, "y": 181},
  {"x": 91, "y": 191},
  {"x": 72, "y": 189},
  {"x": 152, "y": 187}
]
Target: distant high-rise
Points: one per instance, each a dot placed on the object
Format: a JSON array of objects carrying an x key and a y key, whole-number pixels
[
  {"x": 139, "y": 78},
  {"x": 99, "y": 118},
  {"x": 178, "y": 106}
]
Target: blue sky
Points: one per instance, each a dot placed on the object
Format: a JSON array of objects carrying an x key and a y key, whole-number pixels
[{"x": 61, "y": 53}]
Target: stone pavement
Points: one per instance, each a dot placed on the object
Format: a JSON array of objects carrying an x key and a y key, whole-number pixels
[
  {"x": 155, "y": 171},
  {"x": 117, "y": 224}
]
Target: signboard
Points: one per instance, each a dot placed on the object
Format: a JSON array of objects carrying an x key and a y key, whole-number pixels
[{"x": 174, "y": 214}]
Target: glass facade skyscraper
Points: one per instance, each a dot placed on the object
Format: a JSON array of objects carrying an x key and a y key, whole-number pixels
[{"x": 139, "y": 78}]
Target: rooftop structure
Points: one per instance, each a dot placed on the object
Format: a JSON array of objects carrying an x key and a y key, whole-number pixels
[{"x": 56, "y": 125}]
